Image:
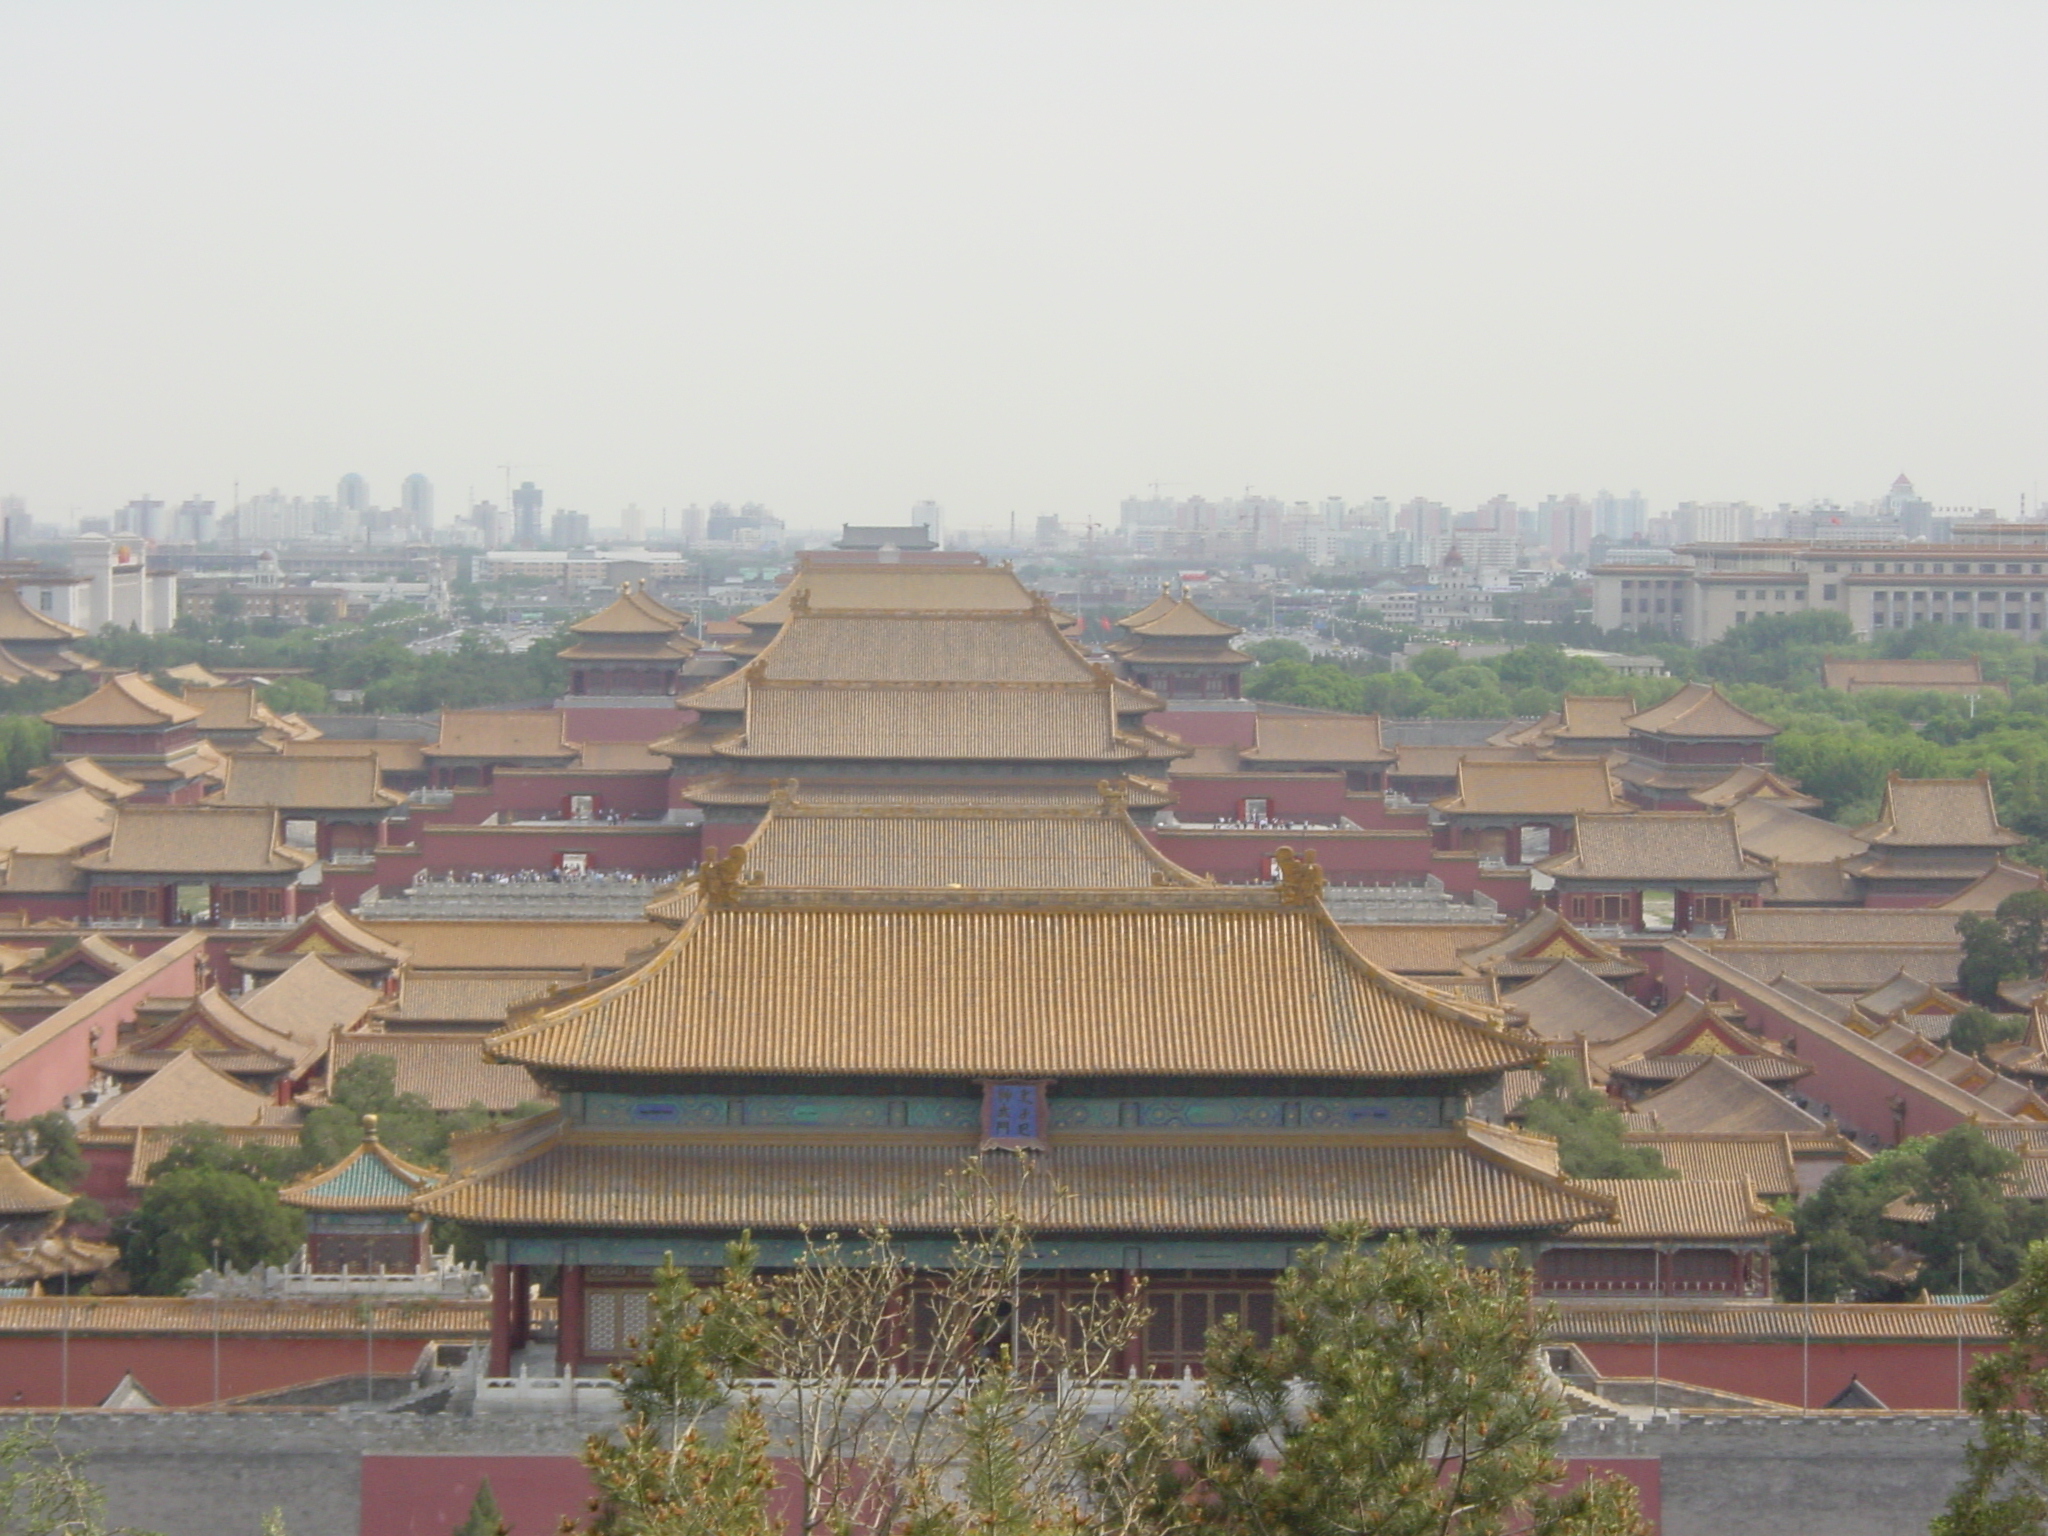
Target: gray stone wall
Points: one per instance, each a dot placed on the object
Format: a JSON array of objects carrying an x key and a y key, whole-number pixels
[{"x": 215, "y": 1474}]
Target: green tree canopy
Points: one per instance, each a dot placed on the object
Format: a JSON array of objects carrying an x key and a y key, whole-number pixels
[
  {"x": 1965, "y": 1230},
  {"x": 1588, "y": 1128},
  {"x": 1400, "y": 1397},
  {"x": 189, "y": 1214}
]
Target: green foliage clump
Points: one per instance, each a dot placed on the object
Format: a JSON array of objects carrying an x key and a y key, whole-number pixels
[
  {"x": 24, "y": 746},
  {"x": 1401, "y": 1396},
  {"x": 483, "y": 1518},
  {"x": 296, "y": 696},
  {"x": 406, "y": 1122},
  {"x": 198, "y": 1209},
  {"x": 1968, "y": 1231},
  {"x": 2006, "y": 946},
  {"x": 2004, "y": 1491},
  {"x": 1588, "y": 1128},
  {"x": 1266, "y": 652},
  {"x": 1975, "y": 1029}
]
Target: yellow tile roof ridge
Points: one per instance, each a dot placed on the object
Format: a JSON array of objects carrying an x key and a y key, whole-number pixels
[{"x": 126, "y": 698}]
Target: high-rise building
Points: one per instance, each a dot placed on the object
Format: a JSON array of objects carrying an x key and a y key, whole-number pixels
[
  {"x": 142, "y": 517},
  {"x": 352, "y": 494},
  {"x": 526, "y": 508},
  {"x": 416, "y": 501},
  {"x": 632, "y": 525},
  {"x": 570, "y": 530},
  {"x": 193, "y": 522},
  {"x": 489, "y": 519}
]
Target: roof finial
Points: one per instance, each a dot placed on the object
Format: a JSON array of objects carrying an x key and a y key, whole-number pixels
[
  {"x": 625, "y": 589},
  {"x": 719, "y": 879},
  {"x": 1301, "y": 877},
  {"x": 369, "y": 1128}
]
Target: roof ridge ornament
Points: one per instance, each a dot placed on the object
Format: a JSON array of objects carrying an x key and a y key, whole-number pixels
[
  {"x": 1301, "y": 879},
  {"x": 720, "y": 879}
]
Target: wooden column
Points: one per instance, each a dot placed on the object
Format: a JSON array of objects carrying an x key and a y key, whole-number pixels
[
  {"x": 501, "y": 1320},
  {"x": 569, "y": 1345}
]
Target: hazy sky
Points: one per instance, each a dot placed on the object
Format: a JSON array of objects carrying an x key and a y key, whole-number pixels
[{"x": 839, "y": 257}]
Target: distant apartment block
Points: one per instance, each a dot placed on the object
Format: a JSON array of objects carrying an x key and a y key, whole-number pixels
[{"x": 1992, "y": 576}]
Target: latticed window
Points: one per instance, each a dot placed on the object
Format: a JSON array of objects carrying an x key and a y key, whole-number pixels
[{"x": 612, "y": 1320}]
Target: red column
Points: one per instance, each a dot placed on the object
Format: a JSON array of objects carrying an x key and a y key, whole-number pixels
[
  {"x": 501, "y": 1320},
  {"x": 1511, "y": 846},
  {"x": 569, "y": 1346}
]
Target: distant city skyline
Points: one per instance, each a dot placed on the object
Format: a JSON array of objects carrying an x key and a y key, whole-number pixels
[{"x": 1022, "y": 259}]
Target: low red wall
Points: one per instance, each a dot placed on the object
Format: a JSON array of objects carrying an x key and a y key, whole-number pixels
[
  {"x": 1859, "y": 1094},
  {"x": 432, "y": 1495},
  {"x": 177, "y": 1369},
  {"x": 1904, "y": 1374}
]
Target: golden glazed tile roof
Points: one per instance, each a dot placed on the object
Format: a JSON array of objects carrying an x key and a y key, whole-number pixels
[
  {"x": 501, "y": 733},
  {"x": 328, "y": 930},
  {"x": 1699, "y": 711},
  {"x": 1568, "y": 1002},
  {"x": 2004, "y": 880},
  {"x": 1751, "y": 782},
  {"x": 1422, "y": 1180},
  {"x": 1858, "y": 926},
  {"x": 989, "y": 848},
  {"x": 392, "y": 756},
  {"x": 1640, "y": 1321},
  {"x": 1201, "y": 982},
  {"x": 1159, "y": 605},
  {"x": 1183, "y": 620},
  {"x": 1553, "y": 787},
  {"x": 197, "y": 1317},
  {"x": 18, "y": 621},
  {"x": 922, "y": 648},
  {"x": 965, "y": 723},
  {"x": 1964, "y": 675},
  {"x": 63, "y": 824},
  {"x": 1775, "y": 831},
  {"x": 188, "y": 1090},
  {"x": 308, "y": 1002},
  {"x": 23, "y": 1194},
  {"x": 329, "y": 782},
  {"x": 898, "y": 589},
  {"x": 1416, "y": 949},
  {"x": 1765, "y": 1159},
  {"x": 1594, "y": 716},
  {"x": 1683, "y": 1210},
  {"x": 196, "y": 839},
  {"x": 632, "y": 612},
  {"x": 1676, "y": 846},
  {"x": 14, "y": 670},
  {"x": 439, "y": 944},
  {"x": 71, "y": 774},
  {"x": 1540, "y": 941},
  {"x": 448, "y": 1071},
  {"x": 1339, "y": 740},
  {"x": 1938, "y": 813},
  {"x": 127, "y": 700},
  {"x": 470, "y": 997},
  {"x": 1722, "y": 1097}
]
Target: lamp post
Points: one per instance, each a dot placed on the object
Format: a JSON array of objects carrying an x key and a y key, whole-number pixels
[
  {"x": 1806, "y": 1325},
  {"x": 218, "y": 1281}
]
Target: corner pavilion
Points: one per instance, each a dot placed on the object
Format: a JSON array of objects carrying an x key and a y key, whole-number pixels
[{"x": 1173, "y": 1080}]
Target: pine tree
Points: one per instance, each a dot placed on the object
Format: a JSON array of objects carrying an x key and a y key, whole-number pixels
[{"x": 483, "y": 1518}]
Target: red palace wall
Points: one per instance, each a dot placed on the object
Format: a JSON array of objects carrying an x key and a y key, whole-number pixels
[
  {"x": 177, "y": 1369},
  {"x": 1906, "y": 1374},
  {"x": 1860, "y": 1095},
  {"x": 431, "y": 1495},
  {"x": 1355, "y": 858}
]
